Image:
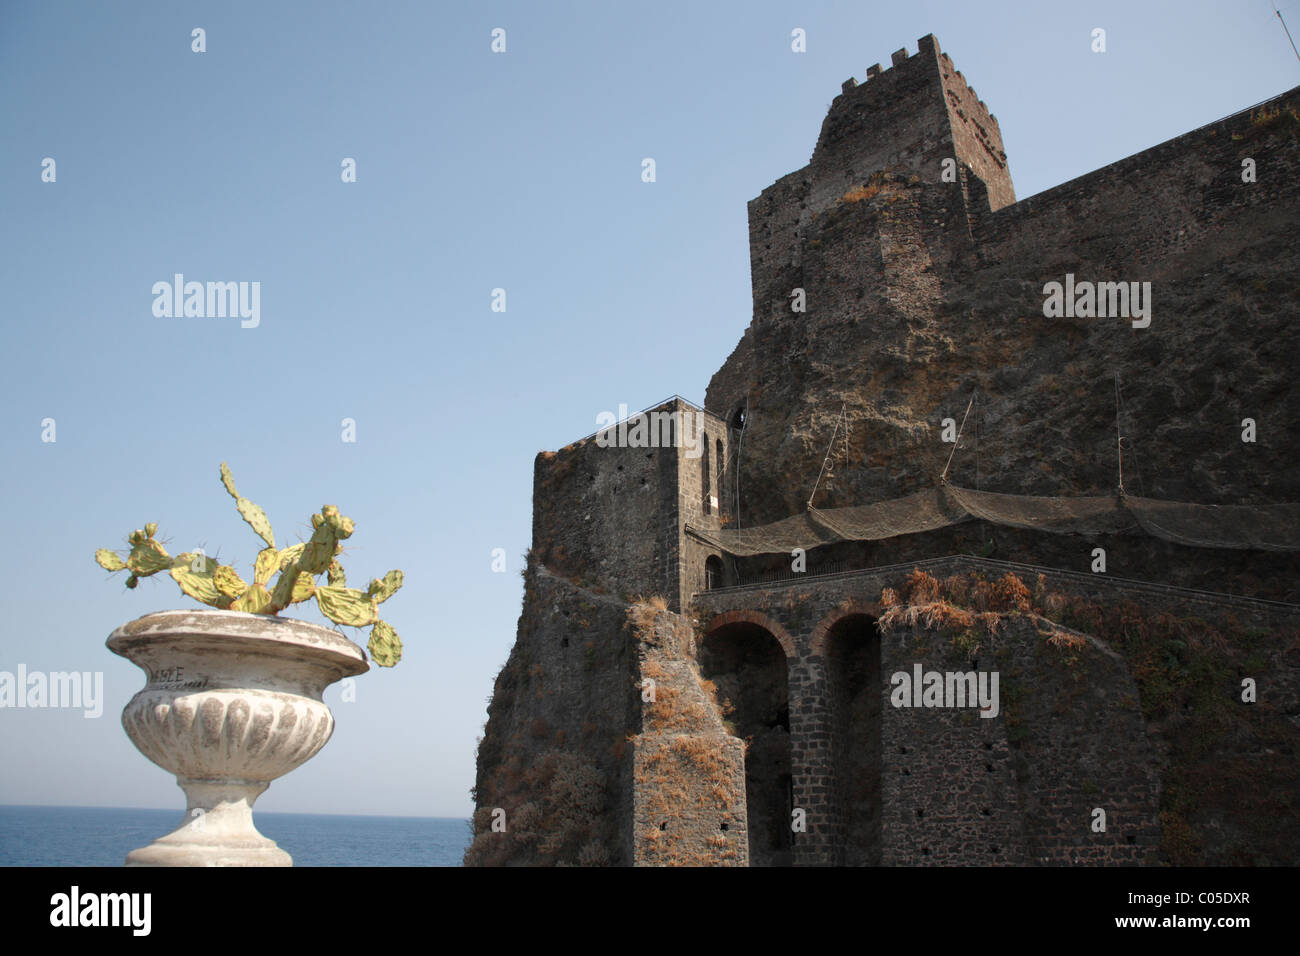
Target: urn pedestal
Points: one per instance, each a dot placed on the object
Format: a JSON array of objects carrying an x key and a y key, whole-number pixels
[{"x": 232, "y": 702}]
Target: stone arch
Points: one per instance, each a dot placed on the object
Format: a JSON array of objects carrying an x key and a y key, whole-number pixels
[
  {"x": 747, "y": 656},
  {"x": 848, "y": 646},
  {"x": 817, "y": 642},
  {"x": 754, "y": 617}
]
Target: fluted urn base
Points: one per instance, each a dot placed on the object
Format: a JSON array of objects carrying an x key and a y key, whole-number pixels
[
  {"x": 217, "y": 830},
  {"x": 232, "y": 702}
]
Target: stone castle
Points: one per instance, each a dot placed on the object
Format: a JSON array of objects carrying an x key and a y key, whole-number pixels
[{"x": 726, "y": 607}]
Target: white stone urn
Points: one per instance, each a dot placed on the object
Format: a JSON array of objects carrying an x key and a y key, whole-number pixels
[{"x": 233, "y": 701}]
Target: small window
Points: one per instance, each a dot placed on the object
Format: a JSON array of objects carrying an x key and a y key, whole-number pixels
[{"x": 705, "y": 474}]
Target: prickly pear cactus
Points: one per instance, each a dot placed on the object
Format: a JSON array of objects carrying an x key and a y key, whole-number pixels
[{"x": 298, "y": 566}]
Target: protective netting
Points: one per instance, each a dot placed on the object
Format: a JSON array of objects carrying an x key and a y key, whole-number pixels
[
  {"x": 1263, "y": 527},
  {"x": 1274, "y": 527}
]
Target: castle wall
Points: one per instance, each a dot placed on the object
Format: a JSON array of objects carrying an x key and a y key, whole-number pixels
[
  {"x": 607, "y": 516},
  {"x": 1161, "y": 212},
  {"x": 976, "y": 136},
  {"x": 554, "y": 770},
  {"x": 919, "y": 292},
  {"x": 1070, "y": 736},
  {"x": 690, "y": 505},
  {"x": 917, "y": 299},
  {"x": 613, "y": 516}
]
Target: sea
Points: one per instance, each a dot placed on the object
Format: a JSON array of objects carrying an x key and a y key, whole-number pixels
[{"x": 102, "y": 836}]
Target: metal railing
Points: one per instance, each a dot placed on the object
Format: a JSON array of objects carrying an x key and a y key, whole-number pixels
[
  {"x": 648, "y": 408},
  {"x": 995, "y": 564}
]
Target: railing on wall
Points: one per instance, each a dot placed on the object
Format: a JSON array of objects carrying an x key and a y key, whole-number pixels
[
  {"x": 648, "y": 408},
  {"x": 967, "y": 562}
]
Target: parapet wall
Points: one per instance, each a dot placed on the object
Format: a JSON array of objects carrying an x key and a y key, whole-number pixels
[{"x": 1166, "y": 210}]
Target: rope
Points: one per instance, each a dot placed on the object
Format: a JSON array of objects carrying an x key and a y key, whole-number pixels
[
  {"x": 1119, "y": 441},
  {"x": 827, "y": 460},
  {"x": 1288, "y": 32},
  {"x": 944, "y": 476},
  {"x": 1121, "y": 410},
  {"x": 740, "y": 444}
]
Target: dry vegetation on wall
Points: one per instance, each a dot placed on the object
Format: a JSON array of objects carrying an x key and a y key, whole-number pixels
[
  {"x": 551, "y": 758},
  {"x": 1231, "y": 793},
  {"x": 684, "y": 769},
  {"x": 557, "y": 825},
  {"x": 642, "y": 612},
  {"x": 674, "y": 708},
  {"x": 968, "y": 608},
  {"x": 673, "y": 711},
  {"x": 1263, "y": 120},
  {"x": 663, "y": 780}
]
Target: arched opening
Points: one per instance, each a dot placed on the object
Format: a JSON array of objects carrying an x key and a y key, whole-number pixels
[
  {"x": 737, "y": 419},
  {"x": 852, "y": 659},
  {"x": 749, "y": 667},
  {"x": 712, "y": 572}
]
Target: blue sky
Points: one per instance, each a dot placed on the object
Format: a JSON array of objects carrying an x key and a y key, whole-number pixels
[{"x": 475, "y": 171}]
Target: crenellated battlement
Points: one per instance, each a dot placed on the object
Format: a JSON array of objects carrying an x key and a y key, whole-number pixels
[{"x": 910, "y": 119}]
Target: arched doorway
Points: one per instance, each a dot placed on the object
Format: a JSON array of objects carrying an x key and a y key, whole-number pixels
[
  {"x": 852, "y": 660},
  {"x": 712, "y": 572},
  {"x": 748, "y": 665}
]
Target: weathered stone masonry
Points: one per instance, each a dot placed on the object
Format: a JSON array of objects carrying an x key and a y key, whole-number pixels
[{"x": 771, "y": 699}]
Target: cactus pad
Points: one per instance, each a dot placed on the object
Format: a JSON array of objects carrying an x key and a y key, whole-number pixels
[
  {"x": 199, "y": 585},
  {"x": 228, "y": 480},
  {"x": 228, "y": 581},
  {"x": 109, "y": 561},
  {"x": 346, "y": 606},
  {"x": 255, "y": 600},
  {"x": 385, "y": 646},
  {"x": 264, "y": 568},
  {"x": 303, "y": 588},
  {"x": 257, "y": 520},
  {"x": 381, "y": 591},
  {"x": 148, "y": 557}
]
